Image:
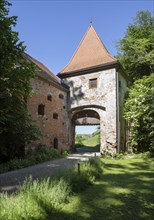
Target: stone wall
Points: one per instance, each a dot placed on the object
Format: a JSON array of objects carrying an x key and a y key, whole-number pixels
[
  {"x": 60, "y": 106},
  {"x": 102, "y": 96},
  {"x": 54, "y": 124}
]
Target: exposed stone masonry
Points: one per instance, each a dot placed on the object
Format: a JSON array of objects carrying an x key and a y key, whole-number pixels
[{"x": 89, "y": 90}]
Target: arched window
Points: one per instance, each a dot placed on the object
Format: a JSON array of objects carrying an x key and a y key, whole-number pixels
[
  {"x": 61, "y": 96},
  {"x": 41, "y": 109},
  {"x": 49, "y": 97},
  {"x": 55, "y": 143},
  {"x": 55, "y": 115}
]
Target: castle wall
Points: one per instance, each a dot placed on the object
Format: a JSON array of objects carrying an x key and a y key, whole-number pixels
[
  {"x": 104, "y": 95},
  {"x": 52, "y": 128}
]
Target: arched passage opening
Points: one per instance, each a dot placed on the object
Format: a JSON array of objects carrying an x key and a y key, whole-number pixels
[{"x": 84, "y": 118}]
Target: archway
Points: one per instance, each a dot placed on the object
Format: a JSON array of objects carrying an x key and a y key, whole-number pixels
[{"x": 87, "y": 117}]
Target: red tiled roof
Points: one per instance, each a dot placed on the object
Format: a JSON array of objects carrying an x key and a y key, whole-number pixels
[
  {"x": 91, "y": 52},
  {"x": 45, "y": 72}
]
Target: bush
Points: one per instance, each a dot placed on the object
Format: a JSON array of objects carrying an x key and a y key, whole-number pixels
[
  {"x": 41, "y": 154},
  {"x": 89, "y": 172},
  {"x": 145, "y": 155},
  {"x": 119, "y": 156},
  {"x": 139, "y": 112}
]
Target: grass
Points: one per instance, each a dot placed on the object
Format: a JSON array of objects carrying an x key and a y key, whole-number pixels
[
  {"x": 125, "y": 191},
  {"x": 92, "y": 142},
  {"x": 89, "y": 144},
  {"x": 41, "y": 200}
]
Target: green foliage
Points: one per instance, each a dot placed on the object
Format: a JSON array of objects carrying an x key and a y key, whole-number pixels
[
  {"x": 125, "y": 191},
  {"x": 90, "y": 171},
  {"x": 95, "y": 167},
  {"x": 40, "y": 155},
  {"x": 139, "y": 112},
  {"x": 16, "y": 126},
  {"x": 43, "y": 199},
  {"x": 81, "y": 137},
  {"x": 77, "y": 182},
  {"x": 35, "y": 200},
  {"x": 136, "y": 49},
  {"x": 93, "y": 141}
]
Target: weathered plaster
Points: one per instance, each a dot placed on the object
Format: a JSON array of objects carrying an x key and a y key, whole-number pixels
[{"x": 104, "y": 96}]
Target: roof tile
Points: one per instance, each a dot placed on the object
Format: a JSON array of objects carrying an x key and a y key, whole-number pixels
[{"x": 91, "y": 52}]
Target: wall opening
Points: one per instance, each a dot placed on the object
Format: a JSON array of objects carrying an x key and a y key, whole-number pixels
[
  {"x": 55, "y": 143},
  {"x": 61, "y": 96},
  {"x": 41, "y": 109},
  {"x": 49, "y": 98},
  {"x": 55, "y": 115},
  {"x": 87, "y": 130}
]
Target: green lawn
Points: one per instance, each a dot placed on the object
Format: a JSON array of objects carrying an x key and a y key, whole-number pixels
[
  {"x": 90, "y": 144},
  {"x": 125, "y": 192}
]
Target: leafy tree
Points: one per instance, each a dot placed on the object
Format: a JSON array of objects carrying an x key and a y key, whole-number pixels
[
  {"x": 139, "y": 112},
  {"x": 16, "y": 127},
  {"x": 136, "y": 49}
]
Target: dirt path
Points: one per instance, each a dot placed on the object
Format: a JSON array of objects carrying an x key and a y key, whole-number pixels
[{"x": 10, "y": 181}]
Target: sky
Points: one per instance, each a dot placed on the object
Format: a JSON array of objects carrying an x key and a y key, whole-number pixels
[{"x": 52, "y": 30}]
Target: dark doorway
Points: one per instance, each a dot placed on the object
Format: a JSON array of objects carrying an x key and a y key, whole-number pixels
[{"x": 55, "y": 143}]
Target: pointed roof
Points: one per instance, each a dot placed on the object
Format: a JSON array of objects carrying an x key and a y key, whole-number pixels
[{"x": 91, "y": 52}]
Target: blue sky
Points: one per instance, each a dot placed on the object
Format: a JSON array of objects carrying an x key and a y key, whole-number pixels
[{"x": 52, "y": 30}]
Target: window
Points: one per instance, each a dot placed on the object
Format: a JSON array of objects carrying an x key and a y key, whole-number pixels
[
  {"x": 93, "y": 83},
  {"x": 41, "y": 109},
  {"x": 49, "y": 97},
  {"x": 61, "y": 96},
  {"x": 55, "y": 115},
  {"x": 55, "y": 143}
]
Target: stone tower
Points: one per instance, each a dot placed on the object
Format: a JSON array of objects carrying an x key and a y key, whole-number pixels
[{"x": 97, "y": 88}]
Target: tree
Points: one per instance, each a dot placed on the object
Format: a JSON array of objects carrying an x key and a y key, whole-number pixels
[
  {"x": 16, "y": 127},
  {"x": 136, "y": 49},
  {"x": 139, "y": 112}
]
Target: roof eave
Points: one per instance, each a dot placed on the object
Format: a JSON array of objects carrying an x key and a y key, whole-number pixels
[
  {"x": 61, "y": 85},
  {"x": 87, "y": 70}
]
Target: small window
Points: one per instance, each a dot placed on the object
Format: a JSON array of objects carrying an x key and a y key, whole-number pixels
[
  {"x": 49, "y": 97},
  {"x": 55, "y": 115},
  {"x": 61, "y": 96},
  {"x": 55, "y": 143},
  {"x": 41, "y": 109},
  {"x": 93, "y": 83}
]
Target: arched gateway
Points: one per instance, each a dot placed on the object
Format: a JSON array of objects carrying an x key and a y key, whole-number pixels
[{"x": 97, "y": 87}]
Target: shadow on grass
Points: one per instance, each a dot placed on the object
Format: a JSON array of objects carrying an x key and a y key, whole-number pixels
[
  {"x": 85, "y": 149},
  {"x": 118, "y": 196}
]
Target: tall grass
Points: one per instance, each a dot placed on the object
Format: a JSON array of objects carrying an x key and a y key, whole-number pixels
[{"x": 41, "y": 199}]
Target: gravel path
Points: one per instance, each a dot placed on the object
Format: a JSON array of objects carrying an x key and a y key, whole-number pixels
[{"x": 10, "y": 181}]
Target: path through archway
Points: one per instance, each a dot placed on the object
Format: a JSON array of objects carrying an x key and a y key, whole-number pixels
[{"x": 86, "y": 142}]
